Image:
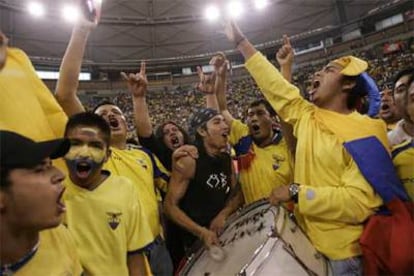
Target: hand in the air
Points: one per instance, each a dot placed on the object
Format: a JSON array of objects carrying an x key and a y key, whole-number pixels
[
  {"x": 83, "y": 23},
  {"x": 220, "y": 64},
  {"x": 285, "y": 54},
  {"x": 233, "y": 32},
  {"x": 206, "y": 83},
  {"x": 137, "y": 83}
]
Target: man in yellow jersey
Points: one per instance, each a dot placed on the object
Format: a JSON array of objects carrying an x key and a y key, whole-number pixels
[
  {"x": 33, "y": 242},
  {"x": 403, "y": 153},
  {"x": 104, "y": 214},
  {"x": 334, "y": 198},
  {"x": 139, "y": 165},
  {"x": 263, "y": 156}
]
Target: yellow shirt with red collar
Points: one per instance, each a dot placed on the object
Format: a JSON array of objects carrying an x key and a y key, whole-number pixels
[
  {"x": 260, "y": 169},
  {"x": 335, "y": 199}
]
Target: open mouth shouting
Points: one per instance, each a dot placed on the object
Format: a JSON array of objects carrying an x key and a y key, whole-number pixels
[
  {"x": 175, "y": 141},
  {"x": 60, "y": 205},
  {"x": 315, "y": 86},
  {"x": 113, "y": 123}
]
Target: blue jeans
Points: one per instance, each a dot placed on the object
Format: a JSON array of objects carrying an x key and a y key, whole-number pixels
[
  {"x": 159, "y": 258},
  {"x": 347, "y": 267}
]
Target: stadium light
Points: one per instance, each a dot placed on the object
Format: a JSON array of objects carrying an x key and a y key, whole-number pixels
[
  {"x": 234, "y": 9},
  {"x": 36, "y": 9},
  {"x": 212, "y": 13},
  {"x": 70, "y": 13},
  {"x": 260, "y": 4}
]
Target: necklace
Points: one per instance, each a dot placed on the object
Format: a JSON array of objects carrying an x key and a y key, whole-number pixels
[{"x": 9, "y": 269}]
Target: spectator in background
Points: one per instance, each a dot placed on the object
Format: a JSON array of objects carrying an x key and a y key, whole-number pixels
[
  {"x": 33, "y": 241},
  {"x": 404, "y": 129},
  {"x": 403, "y": 152},
  {"x": 388, "y": 111},
  {"x": 104, "y": 213},
  {"x": 168, "y": 137}
]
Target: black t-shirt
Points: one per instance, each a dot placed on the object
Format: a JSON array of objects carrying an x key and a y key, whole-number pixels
[{"x": 208, "y": 191}]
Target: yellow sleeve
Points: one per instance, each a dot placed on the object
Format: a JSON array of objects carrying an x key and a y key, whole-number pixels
[
  {"x": 350, "y": 202},
  {"x": 283, "y": 96},
  {"x": 238, "y": 130},
  {"x": 139, "y": 233}
]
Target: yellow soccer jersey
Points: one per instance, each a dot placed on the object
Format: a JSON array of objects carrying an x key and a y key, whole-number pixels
[
  {"x": 136, "y": 164},
  {"x": 334, "y": 198},
  {"x": 260, "y": 169},
  {"x": 56, "y": 255},
  {"x": 106, "y": 223},
  {"x": 403, "y": 159},
  {"x": 27, "y": 106}
]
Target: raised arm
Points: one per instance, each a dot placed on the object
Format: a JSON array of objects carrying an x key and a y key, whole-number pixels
[
  {"x": 284, "y": 57},
  {"x": 67, "y": 85},
  {"x": 182, "y": 172},
  {"x": 283, "y": 96},
  {"x": 220, "y": 87},
  {"x": 137, "y": 86},
  {"x": 206, "y": 86}
]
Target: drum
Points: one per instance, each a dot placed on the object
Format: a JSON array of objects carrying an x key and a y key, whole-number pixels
[{"x": 260, "y": 240}]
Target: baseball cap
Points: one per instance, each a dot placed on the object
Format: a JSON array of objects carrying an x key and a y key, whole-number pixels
[
  {"x": 352, "y": 66},
  {"x": 365, "y": 84},
  {"x": 17, "y": 151}
]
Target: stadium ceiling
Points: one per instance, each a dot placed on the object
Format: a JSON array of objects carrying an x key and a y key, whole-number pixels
[{"x": 132, "y": 30}]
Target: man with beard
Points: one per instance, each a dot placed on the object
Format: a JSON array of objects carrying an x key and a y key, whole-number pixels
[
  {"x": 103, "y": 211},
  {"x": 334, "y": 198},
  {"x": 388, "y": 111},
  {"x": 403, "y": 153},
  {"x": 33, "y": 241},
  {"x": 134, "y": 162},
  {"x": 404, "y": 130},
  {"x": 199, "y": 188},
  {"x": 263, "y": 156},
  {"x": 168, "y": 136}
]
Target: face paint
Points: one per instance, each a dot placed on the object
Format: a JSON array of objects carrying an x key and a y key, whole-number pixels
[{"x": 85, "y": 152}]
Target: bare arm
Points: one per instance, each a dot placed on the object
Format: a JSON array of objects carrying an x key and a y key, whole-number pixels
[
  {"x": 206, "y": 86},
  {"x": 67, "y": 85},
  {"x": 136, "y": 264},
  {"x": 235, "y": 36},
  {"x": 180, "y": 178},
  {"x": 137, "y": 86}
]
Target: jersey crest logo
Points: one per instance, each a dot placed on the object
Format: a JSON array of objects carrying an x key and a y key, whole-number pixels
[
  {"x": 277, "y": 159},
  {"x": 142, "y": 163},
  {"x": 114, "y": 219}
]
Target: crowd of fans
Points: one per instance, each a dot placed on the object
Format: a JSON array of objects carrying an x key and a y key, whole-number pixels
[{"x": 177, "y": 103}]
